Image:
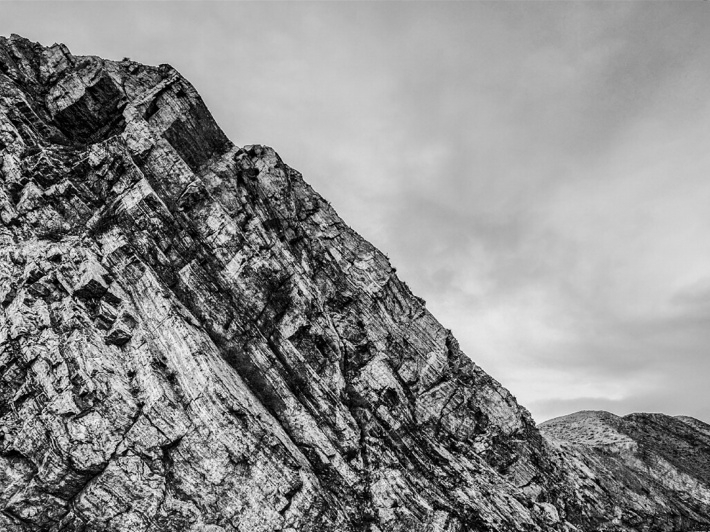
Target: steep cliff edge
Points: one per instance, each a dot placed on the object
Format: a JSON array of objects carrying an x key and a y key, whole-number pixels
[{"x": 192, "y": 339}]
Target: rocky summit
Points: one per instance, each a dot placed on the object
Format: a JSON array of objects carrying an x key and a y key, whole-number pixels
[{"x": 191, "y": 339}]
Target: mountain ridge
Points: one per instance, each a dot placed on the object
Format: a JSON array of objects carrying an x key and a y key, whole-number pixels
[{"x": 193, "y": 339}]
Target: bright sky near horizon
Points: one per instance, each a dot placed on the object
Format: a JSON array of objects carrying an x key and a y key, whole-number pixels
[{"x": 539, "y": 172}]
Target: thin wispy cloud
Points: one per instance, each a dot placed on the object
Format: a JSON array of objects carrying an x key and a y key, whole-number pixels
[{"x": 536, "y": 171}]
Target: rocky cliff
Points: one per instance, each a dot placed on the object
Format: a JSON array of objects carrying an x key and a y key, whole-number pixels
[{"x": 192, "y": 339}]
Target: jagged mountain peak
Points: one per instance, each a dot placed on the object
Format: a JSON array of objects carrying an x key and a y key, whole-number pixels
[{"x": 192, "y": 339}]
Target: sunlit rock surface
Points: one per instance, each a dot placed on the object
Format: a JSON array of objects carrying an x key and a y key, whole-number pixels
[{"x": 192, "y": 339}]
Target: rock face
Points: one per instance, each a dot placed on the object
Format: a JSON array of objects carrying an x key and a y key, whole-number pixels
[
  {"x": 643, "y": 471},
  {"x": 192, "y": 339}
]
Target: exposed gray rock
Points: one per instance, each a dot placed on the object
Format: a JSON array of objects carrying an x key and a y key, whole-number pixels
[
  {"x": 192, "y": 339},
  {"x": 641, "y": 471}
]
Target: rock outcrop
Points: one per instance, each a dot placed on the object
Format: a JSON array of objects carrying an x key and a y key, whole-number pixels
[
  {"x": 192, "y": 339},
  {"x": 641, "y": 471}
]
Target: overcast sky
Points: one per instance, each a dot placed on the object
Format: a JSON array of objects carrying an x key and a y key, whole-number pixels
[{"x": 539, "y": 172}]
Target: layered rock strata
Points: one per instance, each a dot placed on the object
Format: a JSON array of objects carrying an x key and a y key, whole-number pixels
[{"x": 192, "y": 339}]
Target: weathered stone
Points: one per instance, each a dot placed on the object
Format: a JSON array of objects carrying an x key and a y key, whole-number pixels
[
  {"x": 121, "y": 331},
  {"x": 106, "y": 314},
  {"x": 192, "y": 339},
  {"x": 91, "y": 283},
  {"x": 33, "y": 272}
]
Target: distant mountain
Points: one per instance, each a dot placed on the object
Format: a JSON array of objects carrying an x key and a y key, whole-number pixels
[
  {"x": 192, "y": 340},
  {"x": 648, "y": 471}
]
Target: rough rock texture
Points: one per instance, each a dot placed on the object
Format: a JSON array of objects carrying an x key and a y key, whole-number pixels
[
  {"x": 641, "y": 471},
  {"x": 191, "y": 338}
]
